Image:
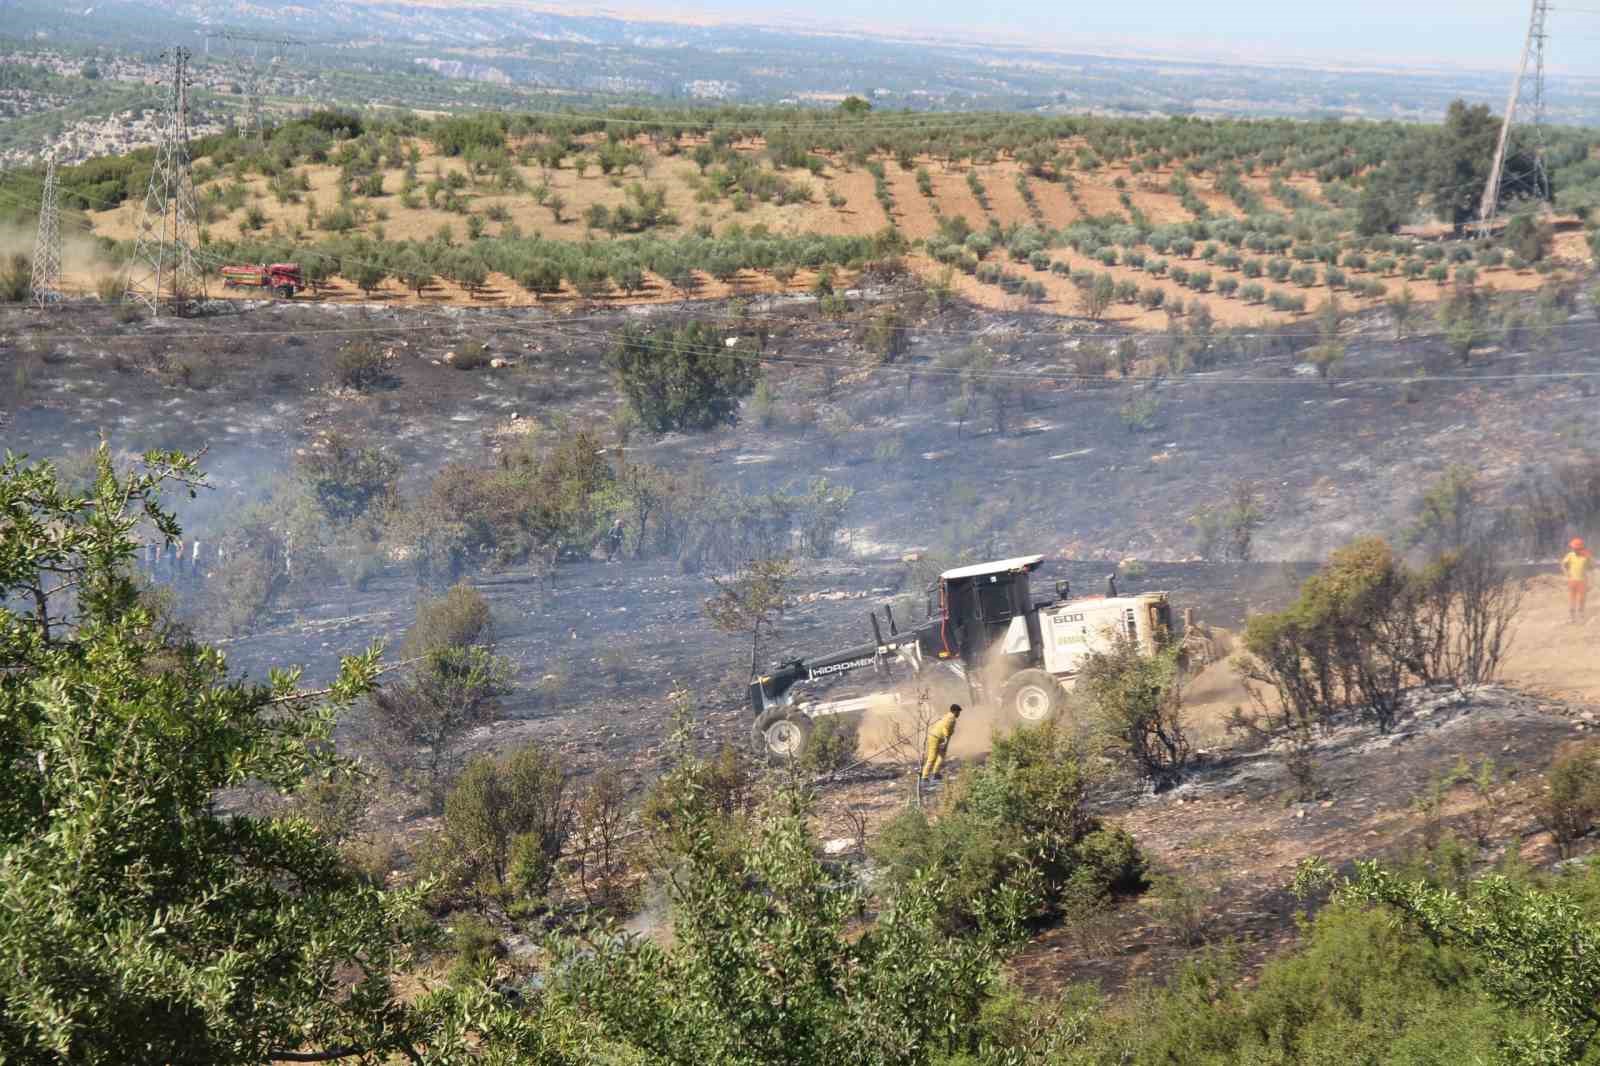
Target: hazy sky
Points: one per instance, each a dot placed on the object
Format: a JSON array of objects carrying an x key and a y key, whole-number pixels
[{"x": 1456, "y": 32}]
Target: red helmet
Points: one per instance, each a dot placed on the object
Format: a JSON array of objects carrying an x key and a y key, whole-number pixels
[{"x": 1577, "y": 544}]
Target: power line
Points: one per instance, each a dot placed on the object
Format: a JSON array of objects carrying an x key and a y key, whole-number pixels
[
  {"x": 247, "y": 62},
  {"x": 562, "y": 329},
  {"x": 1201, "y": 378}
]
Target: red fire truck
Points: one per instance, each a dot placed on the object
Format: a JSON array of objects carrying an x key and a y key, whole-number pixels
[{"x": 282, "y": 278}]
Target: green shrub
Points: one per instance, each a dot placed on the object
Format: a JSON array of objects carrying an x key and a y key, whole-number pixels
[
  {"x": 455, "y": 685},
  {"x": 505, "y": 823},
  {"x": 833, "y": 744},
  {"x": 476, "y": 946},
  {"x": 763, "y": 404},
  {"x": 1358, "y": 982},
  {"x": 239, "y": 595},
  {"x": 361, "y": 365},
  {"x": 16, "y": 275},
  {"x": 461, "y": 134},
  {"x": 1181, "y": 905},
  {"x": 720, "y": 788},
  {"x": 346, "y": 481},
  {"x": 1014, "y": 840},
  {"x": 1136, "y": 706},
  {"x": 1571, "y": 800},
  {"x": 458, "y": 619},
  {"x": 681, "y": 379},
  {"x": 363, "y": 561},
  {"x": 471, "y": 355}
]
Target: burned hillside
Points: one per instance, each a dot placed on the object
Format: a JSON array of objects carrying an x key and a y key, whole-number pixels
[
  {"x": 1008, "y": 432},
  {"x": 448, "y": 483}
]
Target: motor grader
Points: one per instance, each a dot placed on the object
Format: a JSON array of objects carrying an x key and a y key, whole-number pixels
[{"x": 984, "y": 637}]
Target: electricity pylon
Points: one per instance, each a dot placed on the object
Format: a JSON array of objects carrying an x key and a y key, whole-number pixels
[
  {"x": 249, "y": 69},
  {"x": 1532, "y": 49},
  {"x": 163, "y": 266},
  {"x": 44, "y": 288}
]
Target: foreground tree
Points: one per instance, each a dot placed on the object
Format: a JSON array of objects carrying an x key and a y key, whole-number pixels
[
  {"x": 1532, "y": 948},
  {"x": 138, "y": 920},
  {"x": 143, "y": 921}
]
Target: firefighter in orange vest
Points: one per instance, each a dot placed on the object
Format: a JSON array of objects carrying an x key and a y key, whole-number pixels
[
  {"x": 1575, "y": 564},
  {"x": 938, "y": 740}
]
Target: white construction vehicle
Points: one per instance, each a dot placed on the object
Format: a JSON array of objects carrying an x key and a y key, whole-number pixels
[{"x": 985, "y": 633}]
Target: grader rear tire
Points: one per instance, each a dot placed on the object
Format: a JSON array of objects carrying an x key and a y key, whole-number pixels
[
  {"x": 782, "y": 736},
  {"x": 1032, "y": 697}
]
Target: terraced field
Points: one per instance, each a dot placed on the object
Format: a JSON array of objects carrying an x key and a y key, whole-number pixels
[{"x": 1256, "y": 239}]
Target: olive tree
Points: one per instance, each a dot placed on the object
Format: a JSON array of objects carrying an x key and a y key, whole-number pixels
[
  {"x": 682, "y": 379},
  {"x": 139, "y": 918}
]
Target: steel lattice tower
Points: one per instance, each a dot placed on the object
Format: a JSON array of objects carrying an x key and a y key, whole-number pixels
[
  {"x": 252, "y": 92},
  {"x": 163, "y": 265},
  {"x": 1532, "y": 49},
  {"x": 249, "y": 63},
  {"x": 45, "y": 286}
]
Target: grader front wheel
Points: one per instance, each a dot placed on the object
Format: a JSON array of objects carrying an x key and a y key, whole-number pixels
[
  {"x": 782, "y": 736},
  {"x": 1031, "y": 697}
]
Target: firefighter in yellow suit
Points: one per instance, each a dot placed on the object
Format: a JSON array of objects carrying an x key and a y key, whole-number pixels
[{"x": 938, "y": 740}]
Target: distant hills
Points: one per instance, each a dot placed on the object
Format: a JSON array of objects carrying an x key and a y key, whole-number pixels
[{"x": 521, "y": 54}]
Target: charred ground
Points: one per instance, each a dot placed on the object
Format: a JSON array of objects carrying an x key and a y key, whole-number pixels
[
  {"x": 1044, "y": 458},
  {"x": 1064, "y": 471}
]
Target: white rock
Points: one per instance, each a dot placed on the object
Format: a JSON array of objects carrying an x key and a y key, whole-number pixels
[{"x": 838, "y": 846}]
